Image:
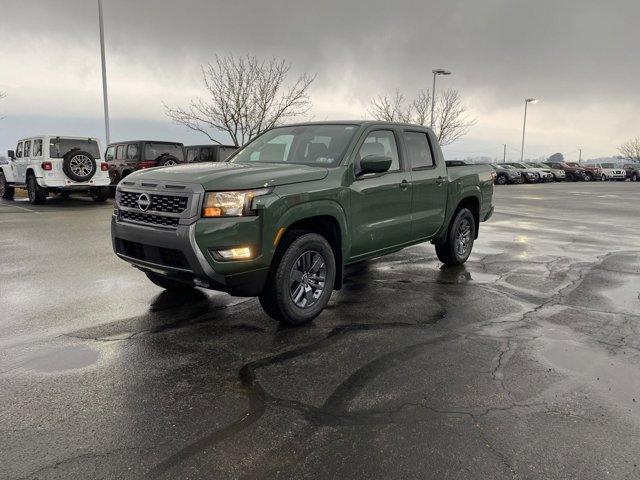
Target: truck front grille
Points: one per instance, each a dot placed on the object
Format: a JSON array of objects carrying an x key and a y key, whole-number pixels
[
  {"x": 149, "y": 218},
  {"x": 167, "y": 257},
  {"x": 159, "y": 203}
]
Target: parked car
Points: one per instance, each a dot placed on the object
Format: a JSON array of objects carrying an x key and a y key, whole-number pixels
[
  {"x": 55, "y": 164},
  {"x": 633, "y": 171},
  {"x": 557, "y": 174},
  {"x": 126, "y": 157},
  {"x": 591, "y": 172},
  {"x": 529, "y": 175},
  {"x": 289, "y": 211},
  {"x": 506, "y": 174},
  {"x": 209, "y": 153},
  {"x": 572, "y": 173},
  {"x": 544, "y": 174},
  {"x": 611, "y": 171}
]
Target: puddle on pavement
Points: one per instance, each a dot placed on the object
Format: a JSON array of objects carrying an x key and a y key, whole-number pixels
[{"x": 67, "y": 358}]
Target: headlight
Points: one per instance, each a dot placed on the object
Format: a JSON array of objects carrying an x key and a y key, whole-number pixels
[{"x": 231, "y": 204}]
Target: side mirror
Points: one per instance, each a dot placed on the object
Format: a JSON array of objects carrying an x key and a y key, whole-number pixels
[
  {"x": 11, "y": 154},
  {"x": 374, "y": 164}
]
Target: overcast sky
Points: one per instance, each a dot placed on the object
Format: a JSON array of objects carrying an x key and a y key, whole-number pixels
[{"x": 579, "y": 57}]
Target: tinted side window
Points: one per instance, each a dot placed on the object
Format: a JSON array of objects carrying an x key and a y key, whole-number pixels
[
  {"x": 418, "y": 149},
  {"x": 27, "y": 148},
  {"x": 381, "y": 142},
  {"x": 19, "y": 150},
  {"x": 132, "y": 151},
  {"x": 120, "y": 152},
  {"x": 37, "y": 148},
  {"x": 207, "y": 155},
  {"x": 109, "y": 156},
  {"x": 191, "y": 154}
]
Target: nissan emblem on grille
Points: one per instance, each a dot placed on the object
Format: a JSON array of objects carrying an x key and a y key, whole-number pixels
[{"x": 144, "y": 202}]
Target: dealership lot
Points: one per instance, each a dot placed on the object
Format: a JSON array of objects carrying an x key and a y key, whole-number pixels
[{"x": 523, "y": 363}]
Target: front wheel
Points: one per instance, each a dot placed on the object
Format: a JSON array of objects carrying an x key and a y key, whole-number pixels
[
  {"x": 603, "y": 178},
  {"x": 588, "y": 177},
  {"x": 501, "y": 179},
  {"x": 301, "y": 280},
  {"x": 6, "y": 191},
  {"x": 634, "y": 177},
  {"x": 456, "y": 247}
]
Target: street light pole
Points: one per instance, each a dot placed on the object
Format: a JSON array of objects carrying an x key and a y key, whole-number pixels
[
  {"x": 436, "y": 72},
  {"x": 504, "y": 153},
  {"x": 527, "y": 101},
  {"x": 104, "y": 75}
]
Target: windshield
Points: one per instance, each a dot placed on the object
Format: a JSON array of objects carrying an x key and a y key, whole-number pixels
[
  {"x": 315, "y": 145},
  {"x": 59, "y": 147},
  {"x": 608, "y": 165},
  {"x": 154, "y": 150}
]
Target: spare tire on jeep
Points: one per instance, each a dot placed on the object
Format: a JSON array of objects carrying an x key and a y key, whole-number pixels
[
  {"x": 167, "y": 160},
  {"x": 78, "y": 165}
]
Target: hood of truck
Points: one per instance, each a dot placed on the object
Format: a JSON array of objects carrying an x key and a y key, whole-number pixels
[{"x": 233, "y": 176}]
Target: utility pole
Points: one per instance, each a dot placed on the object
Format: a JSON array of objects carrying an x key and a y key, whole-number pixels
[
  {"x": 104, "y": 76},
  {"x": 436, "y": 72},
  {"x": 504, "y": 153},
  {"x": 580, "y": 156},
  {"x": 527, "y": 101}
]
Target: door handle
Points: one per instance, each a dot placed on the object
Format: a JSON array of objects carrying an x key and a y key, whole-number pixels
[
  {"x": 404, "y": 185},
  {"x": 440, "y": 180}
]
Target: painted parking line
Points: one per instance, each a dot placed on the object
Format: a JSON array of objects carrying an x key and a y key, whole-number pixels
[{"x": 21, "y": 208}]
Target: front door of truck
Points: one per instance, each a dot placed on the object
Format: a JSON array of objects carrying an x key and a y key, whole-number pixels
[
  {"x": 380, "y": 203},
  {"x": 429, "y": 179}
]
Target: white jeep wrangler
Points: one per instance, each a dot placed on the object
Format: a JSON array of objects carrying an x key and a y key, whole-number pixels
[{"x": 49, "y": 163}]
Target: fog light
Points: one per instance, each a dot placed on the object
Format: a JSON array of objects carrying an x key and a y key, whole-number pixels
[{"x": 235, "y": 253}]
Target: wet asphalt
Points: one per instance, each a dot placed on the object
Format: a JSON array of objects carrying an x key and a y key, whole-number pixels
[{"x": 524, "y": 363}]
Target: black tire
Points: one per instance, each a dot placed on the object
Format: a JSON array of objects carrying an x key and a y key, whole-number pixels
[
  {"x": 37, "y": 194},
  {"x": 501, "y": 179},
  {"x": 447, "y": 250},
  {"x": 167, "y": 161},
  {"x": 603, "y": 178},
  {"x": 569, "y": 177},
  {"x": 79, "y": 166},
  {"x": 588, "y": 177},
  {"x": 64, "y": 195},
  {"x": 634, "y": 177},
  {"x": 99, "y": 194},
  {"x": 283, "y": 294},
  {"x": 168, "y": 283},
  {"x": 6, "y": 191}
]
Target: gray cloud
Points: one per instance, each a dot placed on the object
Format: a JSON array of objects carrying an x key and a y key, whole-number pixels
[{"x": 577, "y": 56}]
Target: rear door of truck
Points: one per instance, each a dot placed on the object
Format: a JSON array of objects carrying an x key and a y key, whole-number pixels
[{"x": 429, "y": 180}]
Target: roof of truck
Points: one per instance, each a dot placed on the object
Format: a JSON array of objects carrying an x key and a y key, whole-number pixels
[
  {"x": 210, "y": 145},
  {"x": 354, "y": 122},
  {"x": 150, "y": 141}
]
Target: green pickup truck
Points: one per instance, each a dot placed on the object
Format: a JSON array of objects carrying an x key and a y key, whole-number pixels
[{"x": 287, "y": 212}]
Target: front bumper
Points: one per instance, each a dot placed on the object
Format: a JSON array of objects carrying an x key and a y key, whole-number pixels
[{"x": 175, "y": 253}]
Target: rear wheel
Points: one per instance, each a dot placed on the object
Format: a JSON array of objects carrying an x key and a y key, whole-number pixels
[
  {"x": 6, "y": 191},
  {"x": 603, "y": 178},
  {"x": 588, "y": 177},
  {"x": 456, "y": 247},
  {"x": 99, "y": 194},
  {"x": 634, "y": 177},
  {"x": 167, "y": 283},
  {"x": 501, "y": 179},
  {"x": 301, "y": 279},
  {"x": 37, "y": 194}
]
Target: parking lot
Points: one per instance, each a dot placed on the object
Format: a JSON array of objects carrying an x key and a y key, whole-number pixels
[{"x": 523, "y": 363}]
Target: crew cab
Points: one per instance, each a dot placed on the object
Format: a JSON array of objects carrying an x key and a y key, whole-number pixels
[
  {"x": 55, "y": 164},
  {"x": 209, "y": 153},
  {"x": 129, "y": 156},
  {"x": 283, "y": 217}
]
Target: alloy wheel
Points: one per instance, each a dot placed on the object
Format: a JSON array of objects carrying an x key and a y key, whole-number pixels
[
  {"x": 81, "y": 165},
  {"x": 463, "y": 237},
  {"x": 307, "y": 279}
]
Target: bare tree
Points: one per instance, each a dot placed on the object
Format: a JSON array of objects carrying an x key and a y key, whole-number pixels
[
  {"x": 245, "y": 97},
  {"x": 631, "y": 149},
  {"x": 451, "y": 121}
]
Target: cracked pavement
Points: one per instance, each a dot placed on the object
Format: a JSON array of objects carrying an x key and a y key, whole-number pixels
[{"x": 521, "y": 364}]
